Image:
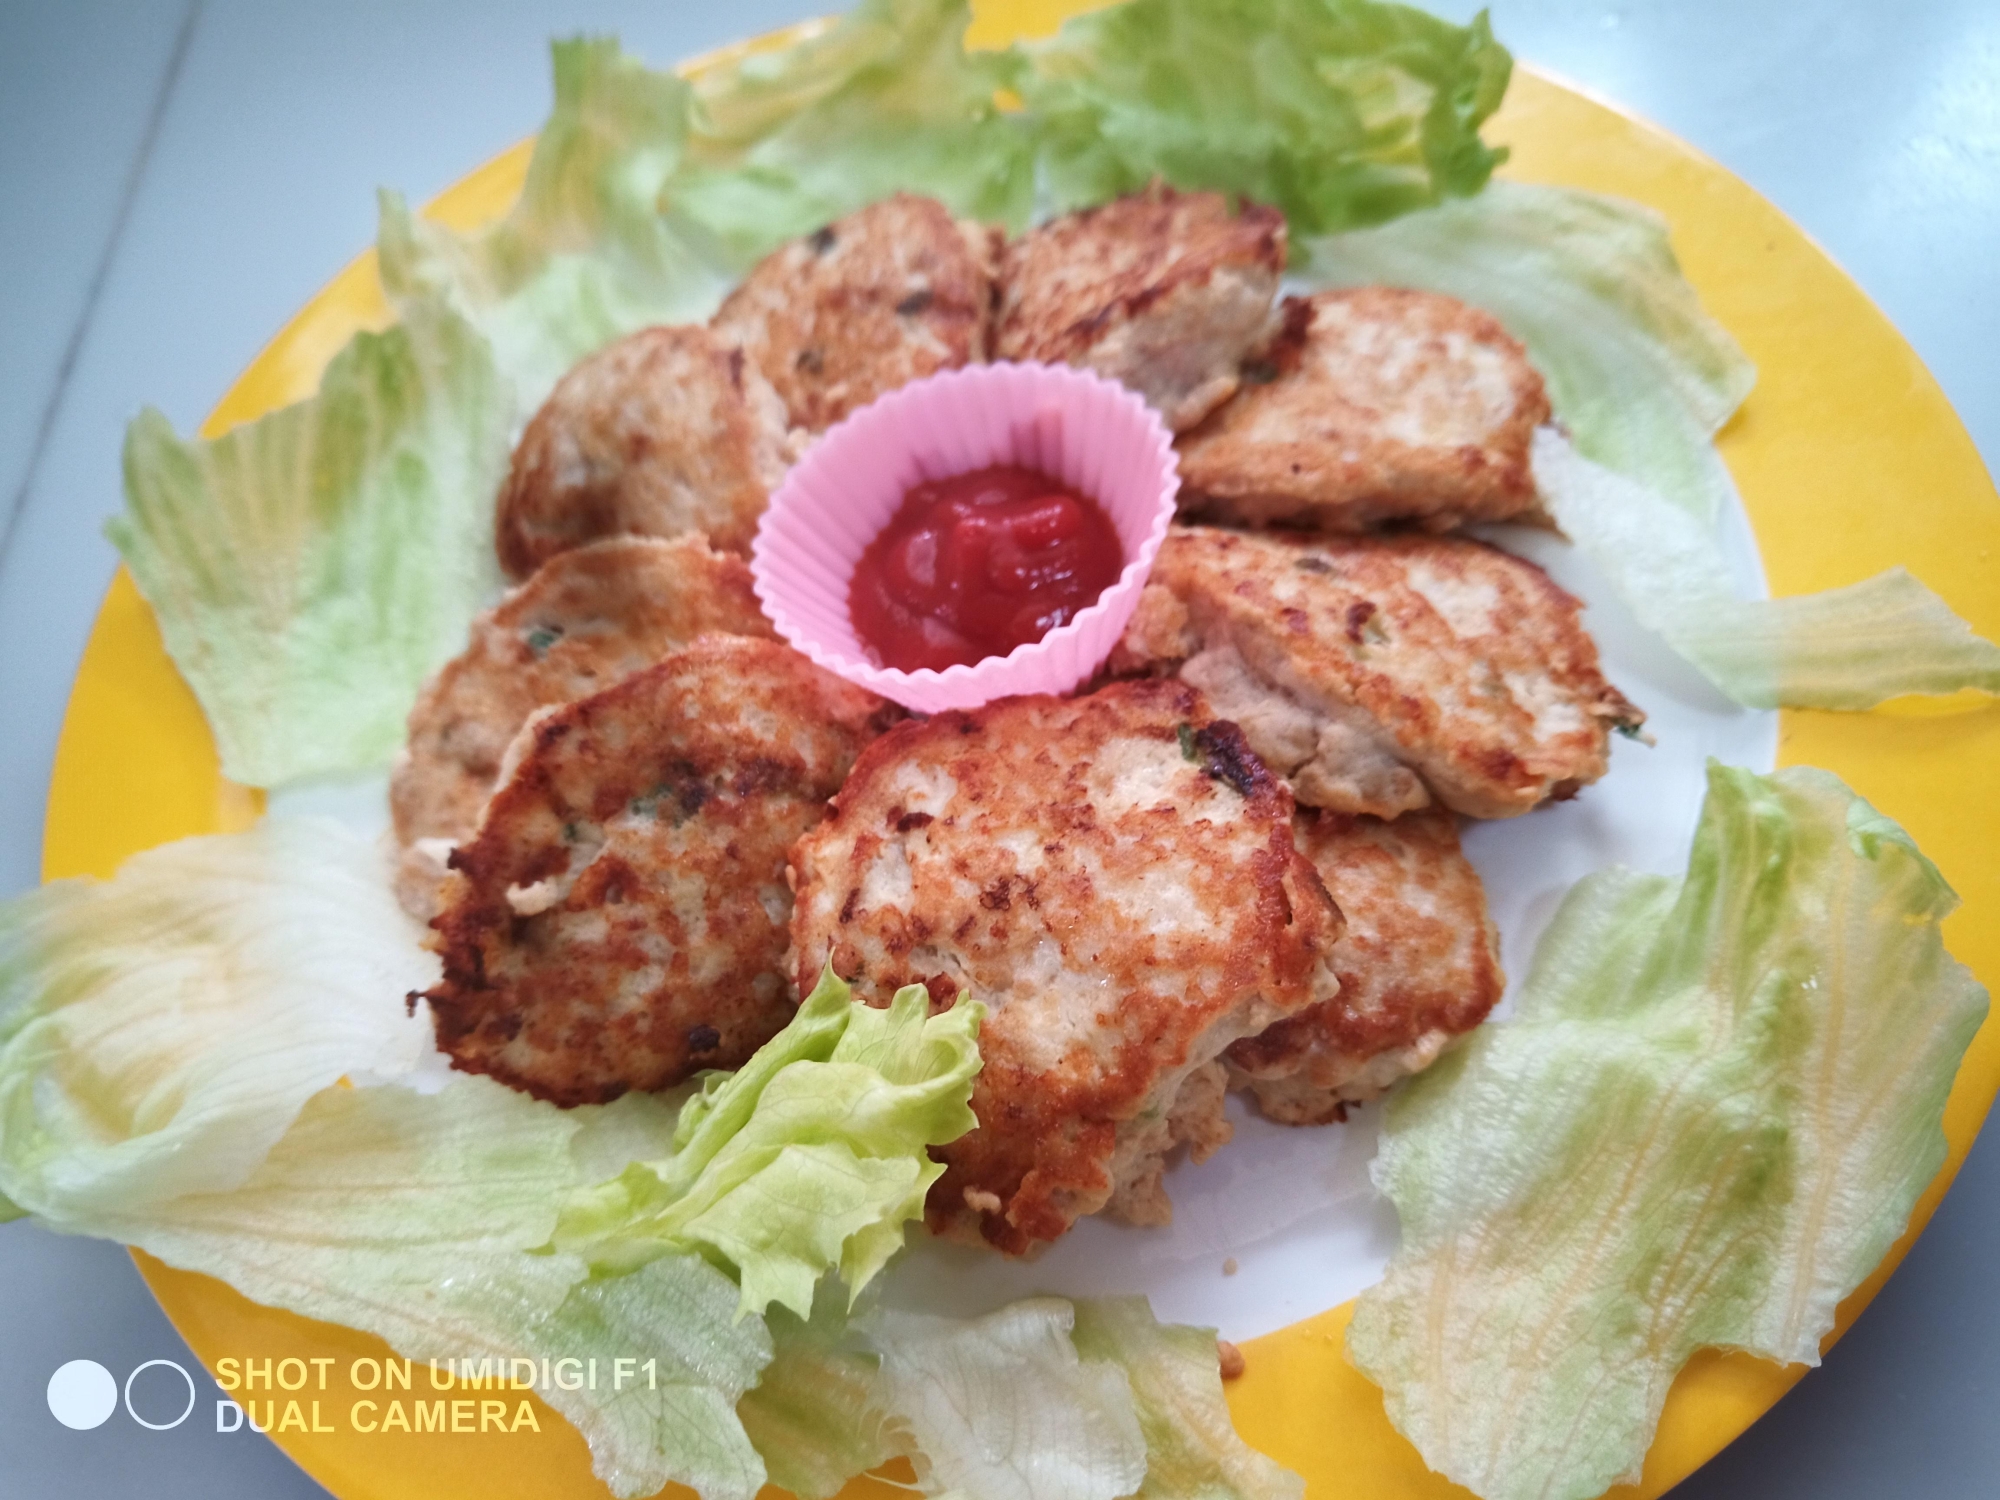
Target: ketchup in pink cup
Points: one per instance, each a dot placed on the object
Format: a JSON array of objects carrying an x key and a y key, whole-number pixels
[{"x": 975, "y": 564}]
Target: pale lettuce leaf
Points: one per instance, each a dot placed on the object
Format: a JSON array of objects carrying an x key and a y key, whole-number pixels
[
  {"x": 585, "y": 255},
  {"x": 159, "y": 1031},
  {"x": 421, "y": 1218},
  {"x": 309, "y": 569},
  {"x": 1192, "y": 1450},
  {"x": 1846, "y": 648},
  {"x": 885, "y": 100},
  {"x": 681, "y": 1312},
  {"x": 1003, "y": 1408},
  {"x": 1339, "y": 112},
  {"x": 810, "y": 1157},
  {"x": 1708, "y": 1120},
  {"x": 812, "y": 1415},
  {"x": 1638, "y": 372},
  {"x": 840, "y": 1397}
]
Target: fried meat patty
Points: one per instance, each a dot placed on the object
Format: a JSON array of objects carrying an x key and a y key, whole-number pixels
[
  {"x": 872, "y": 301},
  {"x": 620, "y": 919},
  {"x": 587, "y": 618},
  {"x": 1397, "y": 405},
  {"x": 1378, "y": 673},
  {"x": 1114, "y": 878},
  {"x": 665, "y": 431},
  {"x": 1419, "y": 966},
  {"x": 1168, "y": 292}
]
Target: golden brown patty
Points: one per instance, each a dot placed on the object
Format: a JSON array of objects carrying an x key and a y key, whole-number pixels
[
  {"x": 1378, "y": 672},
  {"x": 868, "y": 303},
  {"x": 621, "y": 918},
  {"x": 587, "y": 618},
  {"x": 1114, "y": 877},
  {"x": 1168, "y": 292},
  {"x": 1419, "y": 966},
  {"x": 666, "y": 431},
  {"x": 1398, "y": 405}
]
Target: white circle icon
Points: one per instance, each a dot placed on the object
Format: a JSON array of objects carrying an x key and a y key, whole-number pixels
[
  {"x": 158, "y": 1426},
  {"x": 82, "y": 1394}
]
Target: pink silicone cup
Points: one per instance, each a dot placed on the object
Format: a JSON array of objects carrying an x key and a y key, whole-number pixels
[{"x": 1094, "y": 435}]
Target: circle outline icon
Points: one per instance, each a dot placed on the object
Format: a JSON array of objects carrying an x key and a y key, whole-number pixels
[{"x": 159, "y": 1426}]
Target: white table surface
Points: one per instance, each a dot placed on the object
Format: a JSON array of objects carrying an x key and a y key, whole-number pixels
[{"x": 177, "y": 178}]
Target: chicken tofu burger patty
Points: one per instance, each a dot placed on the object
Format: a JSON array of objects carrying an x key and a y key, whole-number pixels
[
  {"x": 586, "y": 618},
  {"x": 1167, "y": 292},
  {"x": 667, "y": 430},
  {"x": 870, "y": 302},
  {"x": 1114, "y": 878},
  {"x": 620, "y": 920},
  {"x": 1396, "y": 405},
  {"x": 1380, "y": 673},
  {"x": 1419, "y": 966}
]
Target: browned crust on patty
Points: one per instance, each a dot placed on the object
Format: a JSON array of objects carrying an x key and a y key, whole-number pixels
[
  {"x": 1394, "y": 406},
  {"x": 1168, "y": 292},
  {"x": 1380, "y": 672},
  {"x": 1419, "y": 966},
  {"x": 620, "y": 919},
  {"x": 871, "y": 302},
  {"x": 665, "y": 431},
  {"x": 587, "y": 618},
  {"x": 1114, "y": 877}
]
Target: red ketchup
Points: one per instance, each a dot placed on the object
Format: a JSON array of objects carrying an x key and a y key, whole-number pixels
[{"x": 977, "y": 564}]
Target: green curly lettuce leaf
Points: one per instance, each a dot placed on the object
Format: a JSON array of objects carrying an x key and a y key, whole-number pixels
[
  {"x": 1339, "y": 112},
  {"x": 1709, "y": 1119},
  {"x": 809, "y": 1157},
  {"x": 309, "y": 569}
]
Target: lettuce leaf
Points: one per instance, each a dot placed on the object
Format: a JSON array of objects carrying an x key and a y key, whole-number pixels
[
  {"x": 1340, "y": 112},
  {"x": 809, "y": 1157},
  {"x": 1192, "y": 1450},
  {"x": 648, "y": 195},
  {"x": 584, "y": 256},
  {"x": 1707, "y": 1122},
  {"x": 161, "y": 1030},
  {"x": 419, "y": 1218},
  {"x": 812, "y": 1415},
  {"x": 886, "y": 100},
  {"x": 1637, "y": 371},
  {"x": 310, "y": 568},
  {"x": 842, "y": 1396},
  {"x": 1846, "y": 648},
  {"x": 1003, "y": 1408}
]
